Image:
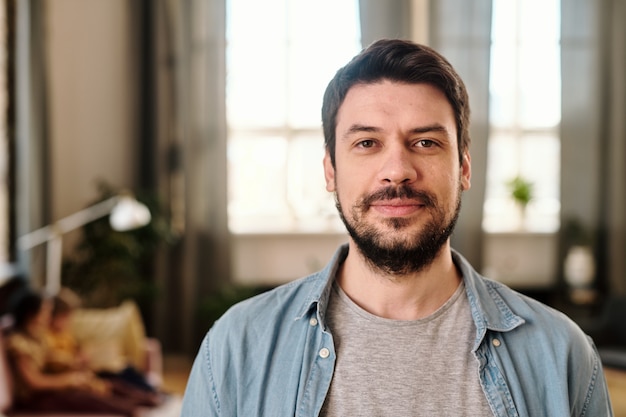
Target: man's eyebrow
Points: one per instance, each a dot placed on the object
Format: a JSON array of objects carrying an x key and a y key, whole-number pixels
[
  {"x": 359, "y": 128},
  {"x": 436, "y": 127}
]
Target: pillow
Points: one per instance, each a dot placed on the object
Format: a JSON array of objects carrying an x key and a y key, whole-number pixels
[{"x": 111, "y": 338}]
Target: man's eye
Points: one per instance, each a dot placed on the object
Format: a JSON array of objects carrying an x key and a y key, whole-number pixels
[
  {"x": 368, "y": 143},
  {"x": 425, "y": 143}
]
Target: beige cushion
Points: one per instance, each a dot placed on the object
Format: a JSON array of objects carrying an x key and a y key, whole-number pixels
[{"x": 111, "y": 338}]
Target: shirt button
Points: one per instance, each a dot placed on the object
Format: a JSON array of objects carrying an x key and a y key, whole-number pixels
[
  {"x": 324, "y": 353},
  {"x": 496, "y": 342},
  {"x": 313, "y": 321}
]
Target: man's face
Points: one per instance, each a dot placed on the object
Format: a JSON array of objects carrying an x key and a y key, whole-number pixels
[{"x": 397, "y": 177}]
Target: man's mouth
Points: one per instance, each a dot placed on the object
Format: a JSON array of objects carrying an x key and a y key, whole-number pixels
[
  {"x": 397, "y": 207},
  {"x": 398, "y": 199}
]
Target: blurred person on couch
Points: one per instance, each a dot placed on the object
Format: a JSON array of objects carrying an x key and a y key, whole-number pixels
[
  {"x": 43, "y": 385},
  {"x": 66, "y": 352}
]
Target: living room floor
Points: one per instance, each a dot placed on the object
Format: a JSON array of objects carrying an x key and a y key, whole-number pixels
[
  {"x": 175, "y": 373},
  {"x": 616, "y": 380}
]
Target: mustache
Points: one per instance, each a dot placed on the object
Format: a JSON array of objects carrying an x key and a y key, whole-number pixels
[{"x": 400, "y": 192}]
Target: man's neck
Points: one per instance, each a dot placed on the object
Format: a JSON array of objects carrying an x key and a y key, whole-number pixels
[{"x": 400, "y": 297}]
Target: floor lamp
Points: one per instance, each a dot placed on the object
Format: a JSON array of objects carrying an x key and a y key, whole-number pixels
[{"x": 126, "y": 213}]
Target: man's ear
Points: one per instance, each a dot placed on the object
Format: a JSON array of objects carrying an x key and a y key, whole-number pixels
[
  {"x": 466, "y": 171},
  {"x": 329, "y": 173}
]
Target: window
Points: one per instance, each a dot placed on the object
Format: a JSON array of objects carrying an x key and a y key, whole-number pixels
[
  {"x": 280, "y": 56},
  {"x": 525, "y": 112}
]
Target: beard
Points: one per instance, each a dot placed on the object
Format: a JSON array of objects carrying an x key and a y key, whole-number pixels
[{"x": 396, "y": 255}]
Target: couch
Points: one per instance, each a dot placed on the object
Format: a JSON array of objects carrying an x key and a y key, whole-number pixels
[{"x": 108, "y": 333}]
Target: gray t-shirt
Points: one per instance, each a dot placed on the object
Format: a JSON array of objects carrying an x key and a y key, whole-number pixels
[{"x": 389, "y": 367}]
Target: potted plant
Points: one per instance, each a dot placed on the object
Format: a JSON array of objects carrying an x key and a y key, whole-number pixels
[
  {"x": 521, "y": 192},
  {"x": 109, "y": 266}
]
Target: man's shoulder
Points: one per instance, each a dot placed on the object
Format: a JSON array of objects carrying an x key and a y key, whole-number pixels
[
  {"x": 538, "y": 317},
  {"x": 285, "y": 302}
]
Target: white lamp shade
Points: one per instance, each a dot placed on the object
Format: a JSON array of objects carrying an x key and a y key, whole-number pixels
[
  {"x": 580, "y": 266},
  {"x": 129, "y": 214}
]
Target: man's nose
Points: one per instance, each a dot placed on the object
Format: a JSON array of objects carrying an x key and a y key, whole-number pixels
[{"x": 398, "y": 166}]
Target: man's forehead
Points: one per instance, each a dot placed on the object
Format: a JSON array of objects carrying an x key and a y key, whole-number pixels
[{"x": 368, "y": 107}]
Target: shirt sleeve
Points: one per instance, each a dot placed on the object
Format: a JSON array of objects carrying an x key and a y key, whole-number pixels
[
  {"x": 19, "y": 346},
  {"x": 597, "y": 401},
  {"x": 200, "y": 399}
]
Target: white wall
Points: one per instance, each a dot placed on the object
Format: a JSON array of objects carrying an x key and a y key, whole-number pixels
[
  {"x": 91, "y": 99},
  {"x": 521, "y": 260},
  {"x": 280, "y": 258}
]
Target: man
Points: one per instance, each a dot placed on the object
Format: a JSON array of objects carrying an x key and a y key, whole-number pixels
[{"x": 397, "y": 324}]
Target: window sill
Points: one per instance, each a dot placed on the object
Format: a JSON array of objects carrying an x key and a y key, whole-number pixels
[{"x": 521, "y": 259}]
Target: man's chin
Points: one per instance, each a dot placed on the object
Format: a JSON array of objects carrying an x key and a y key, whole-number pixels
[
  {"x": 398, "y": 223},
  {"x": 389, "y": 241}
]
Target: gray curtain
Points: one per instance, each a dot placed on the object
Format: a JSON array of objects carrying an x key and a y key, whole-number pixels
[
  {"x": 191, "y": 135},
  {"x": 593, "y": 131},
  {"x": 382, "y": 19},
  {"x": 32, "y": 167},
  {"x": 614, "y": 207}
]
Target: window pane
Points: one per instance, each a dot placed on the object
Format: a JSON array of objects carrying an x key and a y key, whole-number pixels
[
  {"x": 502, "y": 83},
  {"x": 540, "y": 64},
  {"x": 322, "y": 39},
  {"x": 525, "y": 111},
  {"x": 256, "y": 177},
  {"x": 536, "y": 158},
  {"x": 307, "y": 193},
  {"x": 540, "y": 163},
  {"x": 540, "y": 85},
  {"x": 502, "y": 163},
  {"x": 277, "y": 70},
  {"x": 540, "y": 21},
  {"x": 256, "y": 63},
  {"x": 255, "y": 91}
]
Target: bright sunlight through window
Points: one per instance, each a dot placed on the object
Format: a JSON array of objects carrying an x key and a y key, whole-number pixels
[
  {"x": 525, "y": 112},
  {"x": 280, "y": 56}
]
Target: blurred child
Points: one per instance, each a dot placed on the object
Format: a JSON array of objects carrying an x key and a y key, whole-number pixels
[
  {"x": 37, "y": 388},
  {"x": 65, "y": 352}
]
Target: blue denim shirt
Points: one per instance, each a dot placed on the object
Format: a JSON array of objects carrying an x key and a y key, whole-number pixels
[{"x": 272, "y": 355}]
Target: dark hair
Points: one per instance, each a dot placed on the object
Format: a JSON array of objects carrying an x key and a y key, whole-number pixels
[
  {"x": 26, "y": 307},
  {"x": 60, "y": 306},
  {"x": 399, "y": 61},
  {"x": 65, "y": 302}
]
